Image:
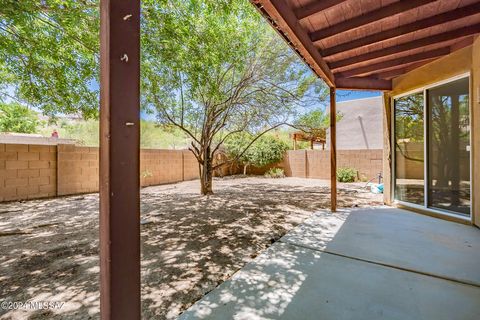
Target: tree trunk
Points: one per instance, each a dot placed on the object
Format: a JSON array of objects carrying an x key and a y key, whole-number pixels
[
  {"x": 206, "y": 173},
  {"x": 245, "y": 169}
]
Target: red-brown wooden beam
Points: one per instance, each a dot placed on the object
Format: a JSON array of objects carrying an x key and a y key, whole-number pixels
[
  {"x": 119, "y": 159},
  {"x": 315, "y": 7},
  {"x": 394, "y": 62},
  {"x": 398, "y": 72},
  {"x": 333, "y": 151},
  {"x": 369, "y": 17},
  {"x": 419, "y": 43},
  {"x": 405, "y": 29},
  {"x": 281, "y": 17},
  {"x": 363, "y": 83}
]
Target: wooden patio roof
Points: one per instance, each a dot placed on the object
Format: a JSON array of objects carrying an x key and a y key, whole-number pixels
[{"x": 364, "y": 44}]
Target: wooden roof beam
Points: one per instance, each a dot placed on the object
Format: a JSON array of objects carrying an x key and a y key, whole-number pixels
[
  {"x": 419, "y": 43},
  {"x": 285, "y": 21},
  {"x": 399, "y": 71},
  {"x": 395, "y": 62},
  {"x": 315, "y": 7},
  {"x": 363, "y": 83},
  {"x": 402, "y": 30},
  {"x": 369, "y": 17}
]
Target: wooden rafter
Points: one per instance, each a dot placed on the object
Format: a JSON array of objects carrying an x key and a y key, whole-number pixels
[
  {"x": 369, "y": 17},
  {"x": 395, "y": 62},
  {"x": 363, "y": 83},
  {"x": 415, "y": 44},
  {"x": 405, "y": 29},
  {"x": 283, "y": 18},
  {"x": 316, "y": 7},
  {"x": 399, "y": 71}
]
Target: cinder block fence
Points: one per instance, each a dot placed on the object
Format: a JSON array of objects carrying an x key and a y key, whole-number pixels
[
  {"x": 27, "y": 171},
  {"x": 30, "y": 171},
  {"x": 316, "y": 163}
]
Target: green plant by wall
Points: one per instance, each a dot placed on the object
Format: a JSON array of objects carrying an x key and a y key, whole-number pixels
[
  {"x": 275, "y": 173},
  {"x": 15, "y": 117},
  {"x": 346, "y": 175},
  {"x": 265, "y": 151}
]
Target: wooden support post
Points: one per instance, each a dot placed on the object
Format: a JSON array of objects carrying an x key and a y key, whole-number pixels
[
  {"x": 120, "y": 159},
  {"x": 333, "y": 151}
]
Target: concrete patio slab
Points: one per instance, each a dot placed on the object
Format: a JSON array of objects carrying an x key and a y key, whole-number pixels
[
  {"x": 292, "y": 282},
  {"x": 396, "y": 237},
  {"x": 375, "y": 263}
]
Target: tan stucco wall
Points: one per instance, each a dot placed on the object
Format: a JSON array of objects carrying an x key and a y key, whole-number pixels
[
  {"x": 452, "y": 65},
  {"x": 459, "y": 62}
]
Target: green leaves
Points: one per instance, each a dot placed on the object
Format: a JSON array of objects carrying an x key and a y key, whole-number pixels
[
  {"x": 315, "y": 119},
  {"x": 202, "y": 61},
  {"x": 264, "y": 151},
  {"x": 49, "y": 50},
  {"x": 15, "y": 117}
]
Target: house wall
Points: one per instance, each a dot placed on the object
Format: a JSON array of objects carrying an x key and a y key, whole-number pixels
[
  {"x": 360, "y": 126},
  {"x": 462, "y": 61}
]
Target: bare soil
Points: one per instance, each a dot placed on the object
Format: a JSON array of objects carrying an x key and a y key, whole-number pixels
[{"x": 190, "y": 243}]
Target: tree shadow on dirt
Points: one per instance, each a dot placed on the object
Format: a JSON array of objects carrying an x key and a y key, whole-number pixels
[{"x": 190, "y": 244}]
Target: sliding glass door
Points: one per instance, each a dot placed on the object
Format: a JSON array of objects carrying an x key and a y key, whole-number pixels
[
  {"x": 432, "y": 148},
  {"x": 449, "y": 147}
]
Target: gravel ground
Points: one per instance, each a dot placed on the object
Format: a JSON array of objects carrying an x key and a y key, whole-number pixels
[{"x": 190, "y": 243}]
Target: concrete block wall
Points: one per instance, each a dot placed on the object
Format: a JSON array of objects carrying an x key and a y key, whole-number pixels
[
  {"x": 27, "y": 171},
  {"x": 39, "y": 171},
  {"x": 190, "y": 166},
  {"x": 77, "y": 169},
  {"x": 159, "y": 167},
  {"x": 316, "y": 163}
]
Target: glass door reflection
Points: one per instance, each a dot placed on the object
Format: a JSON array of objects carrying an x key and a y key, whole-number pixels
[{"x": 449, "y": 147}]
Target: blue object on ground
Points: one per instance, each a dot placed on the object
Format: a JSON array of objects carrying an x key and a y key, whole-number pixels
[{"x": 377, "y": 188}]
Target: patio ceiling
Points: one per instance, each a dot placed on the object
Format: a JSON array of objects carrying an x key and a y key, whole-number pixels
[{"x": 364, "y": 44}]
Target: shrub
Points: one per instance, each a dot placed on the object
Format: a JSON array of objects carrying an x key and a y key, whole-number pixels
[
  {"x": 346, "y": 174},
  {"x": 266, "y": 150},
  {"x": 15, "y": 117},
  {"x": 275, "y": 173}
]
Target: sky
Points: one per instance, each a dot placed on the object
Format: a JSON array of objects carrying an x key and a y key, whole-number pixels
[{"x": 344, "y": 95}]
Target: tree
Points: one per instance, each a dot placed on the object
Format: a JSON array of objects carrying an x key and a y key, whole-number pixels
[
  {"x": 210, "y": 68},
  {"x": 49, "y": 55},
  {"x": 219, "y": 70},
  {"x": 265, "y": 151},
  {"x": 15, "y": 117},
  {"x": 314, "y": 120}
]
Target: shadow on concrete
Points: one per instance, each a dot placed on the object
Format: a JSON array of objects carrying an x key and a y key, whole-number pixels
[{"x": 334, "y": 266}]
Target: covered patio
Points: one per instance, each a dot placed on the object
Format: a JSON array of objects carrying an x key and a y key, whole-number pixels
[
  {"x": 383, "y": 262},
  {"x": 376, "y": 263}
]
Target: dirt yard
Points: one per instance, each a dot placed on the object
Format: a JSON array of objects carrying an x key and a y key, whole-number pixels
[{"x": 190, "y": 243}]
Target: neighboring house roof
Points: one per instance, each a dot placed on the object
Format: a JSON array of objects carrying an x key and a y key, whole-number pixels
[{"x": 361, "y": 126}]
